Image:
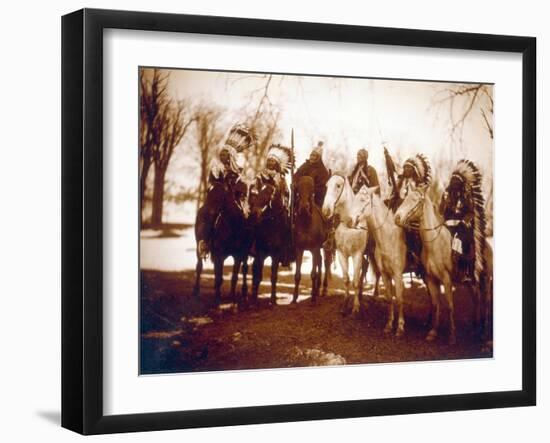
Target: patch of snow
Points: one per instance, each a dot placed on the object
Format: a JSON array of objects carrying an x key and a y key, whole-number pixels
[
  {"x": 198, "y": 321},
  {"x": 315, "y": 357},
  {"x": 162, "y": 335}
]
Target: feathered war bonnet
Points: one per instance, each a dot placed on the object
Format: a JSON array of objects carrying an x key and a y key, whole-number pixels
[
  {"x": 422, "y": 168},
  {"x": 240, "y": 137},
  {"x": 282, "y": 155},
  {"x": 469, "y": 175}
]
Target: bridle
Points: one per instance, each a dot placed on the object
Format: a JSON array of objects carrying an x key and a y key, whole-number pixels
[
  {"x": 337, "y": 174},
  {"x": 415, "y": 209},
  {"x": 269, "y": 202},
  {"x": 375, "y": 228}
]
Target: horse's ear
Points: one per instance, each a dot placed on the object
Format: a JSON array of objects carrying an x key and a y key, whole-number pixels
[{"x": 363, "y": 190}]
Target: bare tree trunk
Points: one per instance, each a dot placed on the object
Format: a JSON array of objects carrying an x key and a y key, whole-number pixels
[
  {"x": 203, "y": 186},
  {"x": 143, "y": 183},
  {"x": 158, "y": 197}
]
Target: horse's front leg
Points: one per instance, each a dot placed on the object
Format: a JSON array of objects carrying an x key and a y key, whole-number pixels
[
  {"x": 316, "y": 274},
  {"x": 298, "y": 274},
  {"x": 357, "y": 283},
  {"x": 343, "y": 260},
  {"x": 198, "y": 272},
  {"x": 244, "y": 290},
  {"x": 389, "y": 296},
  {"x": 235, "y": 277},
  {"x": 447, "y": 284},
  {"x": 257, "y": 274},
  {"x": 327, "y": 258},
  {"x": 398, "y": 285},
  {"x": 274, "y": 271},
  {"x": 218, "y": 279},
  {"x": 433, "y": 291},
  {"x": 376, "y": 271},
  {"x": 363, "y": 275}
]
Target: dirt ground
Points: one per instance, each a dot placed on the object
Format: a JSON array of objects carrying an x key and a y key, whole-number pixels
[{"x": 182, "y": 334}]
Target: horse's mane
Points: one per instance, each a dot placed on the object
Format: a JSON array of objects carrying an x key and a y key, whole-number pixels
[{"x": 472, "y": 178}]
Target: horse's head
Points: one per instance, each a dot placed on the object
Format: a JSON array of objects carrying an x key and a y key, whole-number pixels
[
  {"x": 261, "y": 200},
  {"x": 361, "y": 207},
  {"x": 230, "y": 200},
  {"x": 410, "y": 209},
  {"x": 304, "y": 196},
  {"x": 335, "y": 188},
  {"x": 215, "y": 199}
]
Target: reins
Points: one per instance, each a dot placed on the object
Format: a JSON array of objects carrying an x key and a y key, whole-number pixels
[
  {"x": 341, "y": 190},
  {"x": 422, "y": 202},
  {"x": 375, "y": 228}
]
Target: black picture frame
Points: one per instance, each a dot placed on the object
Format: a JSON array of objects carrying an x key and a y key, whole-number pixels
[{"x": 82, "y": 218}]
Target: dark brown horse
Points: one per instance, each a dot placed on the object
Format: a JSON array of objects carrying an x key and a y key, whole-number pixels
[
  {"x": 271, "y": 235},
  {"x": 309, "y": 233},
  {"x": 222, "y": 227}
]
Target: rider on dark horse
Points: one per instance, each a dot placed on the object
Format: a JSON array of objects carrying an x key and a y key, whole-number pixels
[
  {"x": 278, "y": 163},
  {"x": 458, "y": 212},
  {"x": 315, "y": 168},
  {"x": 226, "y": 174},
  {"x": 416, "y": 171}
]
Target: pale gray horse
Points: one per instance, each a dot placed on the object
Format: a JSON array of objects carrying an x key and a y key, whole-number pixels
[
  {"x": 390, "y": 252},
  {"x": 436, "y": 253},
  {"x": 350, "y": 242}
]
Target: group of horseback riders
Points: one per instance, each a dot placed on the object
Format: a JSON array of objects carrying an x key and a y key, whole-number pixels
[{"x": 456, "y": 206}]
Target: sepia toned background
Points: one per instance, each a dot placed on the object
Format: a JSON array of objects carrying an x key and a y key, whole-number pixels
[{"x": 444, "y": 121}]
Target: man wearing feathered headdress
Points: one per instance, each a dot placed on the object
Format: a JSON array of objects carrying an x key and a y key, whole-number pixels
[
  {"x": 463, "y": 209},
  {"x": 226, "y": 173},
  {"x": 416, "y": 171},
  {"x": 224, "y": 169},
  {"x": 278, "y": 162},
  {"x": 315, "y": 168}
]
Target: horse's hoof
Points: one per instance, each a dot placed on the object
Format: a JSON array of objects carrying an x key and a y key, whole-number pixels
[
  {"x": 399, "y": 333},
  {"x": 432, "y": 335},
  {"x": 387, "y": 330}
]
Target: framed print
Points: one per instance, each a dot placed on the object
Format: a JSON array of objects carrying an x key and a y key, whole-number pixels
[{"x": 273, "y": 221}]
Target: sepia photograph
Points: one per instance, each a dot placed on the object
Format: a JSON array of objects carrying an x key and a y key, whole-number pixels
[{"x": 295, "y": 220}]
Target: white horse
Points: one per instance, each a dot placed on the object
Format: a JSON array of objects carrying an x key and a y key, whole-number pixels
[
  {"x": 436, "y": 253},
  {"x": 350, "y": 242},
  {"x": 390, "y": 252}
]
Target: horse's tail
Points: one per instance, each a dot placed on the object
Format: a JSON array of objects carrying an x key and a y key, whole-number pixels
[{"x": 473, "y": 179}]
